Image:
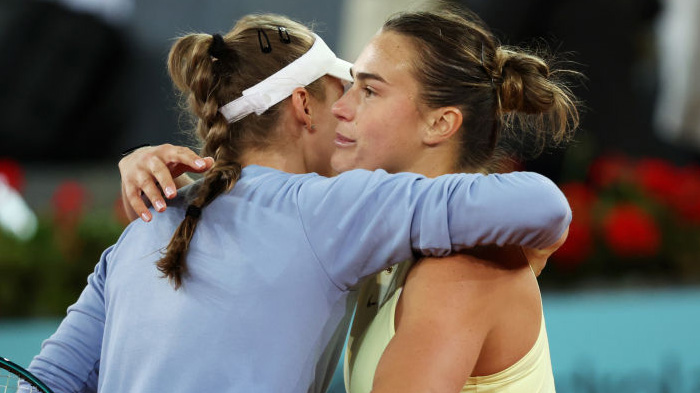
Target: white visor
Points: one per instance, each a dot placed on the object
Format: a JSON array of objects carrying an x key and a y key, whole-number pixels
[{"x": 317, "y": 62}]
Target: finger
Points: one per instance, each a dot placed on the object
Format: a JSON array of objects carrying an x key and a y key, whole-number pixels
[
  {"x": 163, "y": 176},
  {"x": 209, "y": 161},
  {"x": 185, "y": 156},
  {"x": 133, "y": 197},
  {"x": 153, "y": 194}
]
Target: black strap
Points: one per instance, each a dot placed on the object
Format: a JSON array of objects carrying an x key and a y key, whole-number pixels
[{"x": 132, "y": 149}]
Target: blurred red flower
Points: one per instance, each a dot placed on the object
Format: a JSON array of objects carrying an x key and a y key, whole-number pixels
[
  {"x": 638, "y": 210},
  {"x": 12, "y": 173},
  {"x": 581, "y": 198},
  {"x": 631, "y": 232},
  {"x": 579, "y": 243},
  {"x": 608, "y": 169},
  {"x": 69, "y": 202},
  {"x": 686, "y": 201},
  {"x": 119, "y": 212},
  {"x": 659, "y": 178}
]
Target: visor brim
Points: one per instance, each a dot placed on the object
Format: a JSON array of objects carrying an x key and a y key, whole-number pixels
[{"x": 341, "y": 70}]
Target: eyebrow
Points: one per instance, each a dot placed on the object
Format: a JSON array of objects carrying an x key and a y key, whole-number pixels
[{"x": 366, "y": 75}]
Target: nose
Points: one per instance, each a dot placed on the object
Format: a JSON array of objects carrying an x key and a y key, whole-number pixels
[{"x": 341, "y": 108}]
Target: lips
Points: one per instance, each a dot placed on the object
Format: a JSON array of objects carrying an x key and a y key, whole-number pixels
[{"x": 343, "y": 141}]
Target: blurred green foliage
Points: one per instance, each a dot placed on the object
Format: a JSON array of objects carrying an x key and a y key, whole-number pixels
[{"x": 43, "y": 276}]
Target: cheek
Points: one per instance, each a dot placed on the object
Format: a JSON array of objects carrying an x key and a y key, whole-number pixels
[
  {"x": 374, "y": 142},
  {"x": 373, "y": 149},
  {"x": 393, "y": 143},
  {"x": 388, "y": 131}
]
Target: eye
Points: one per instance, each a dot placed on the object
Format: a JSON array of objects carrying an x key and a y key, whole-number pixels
[{"x": 368, "y": 92}]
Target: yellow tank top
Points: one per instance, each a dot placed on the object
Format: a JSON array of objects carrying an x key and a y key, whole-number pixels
[{"x": 531, "y": 374}]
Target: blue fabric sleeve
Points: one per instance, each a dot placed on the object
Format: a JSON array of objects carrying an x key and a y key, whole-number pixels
[
  {"x": 381, "y": 219},
  {"x": 69, "y": 359}
]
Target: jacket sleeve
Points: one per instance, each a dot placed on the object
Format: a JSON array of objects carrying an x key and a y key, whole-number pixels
[
  {"x": 69, "y": 359},
  {"x": 361, "y": 222}
]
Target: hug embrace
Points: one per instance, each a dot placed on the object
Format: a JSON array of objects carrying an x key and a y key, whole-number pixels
[{"x": 331, "y": 189}]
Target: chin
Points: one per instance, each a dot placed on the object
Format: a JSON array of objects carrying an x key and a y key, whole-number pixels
[
  {"x": 338, "y": 169},
  {"x": 339, "y": 165}
]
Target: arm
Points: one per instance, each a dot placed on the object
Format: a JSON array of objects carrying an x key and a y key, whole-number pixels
[
  {"x": 69, "y": 359},
  {"x": 452, "y": 320},
  {"x": 380, "y": 219},
  {"x": 147, "y": 168}
]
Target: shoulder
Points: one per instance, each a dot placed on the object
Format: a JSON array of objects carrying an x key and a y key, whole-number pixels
[
  {"x": 475, "y": 266},
  {"x": 464, "y": 285}
]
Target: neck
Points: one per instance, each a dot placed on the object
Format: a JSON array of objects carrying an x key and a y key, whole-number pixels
[
  {"x": 274, "y": 159},
  {"x": 283, "y": 153},
  {"x": 435, "y": 161}
]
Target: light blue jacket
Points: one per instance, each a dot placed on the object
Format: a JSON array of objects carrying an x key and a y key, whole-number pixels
[{"x": 272, "y": 264}]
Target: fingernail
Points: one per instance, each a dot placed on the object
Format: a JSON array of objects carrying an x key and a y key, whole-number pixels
[
  {"x": 160, "y": 205},
  {"x": 200, "y": 163},
  {"x": 146, "y": 217},
  {"x": 169, "y": 191}
]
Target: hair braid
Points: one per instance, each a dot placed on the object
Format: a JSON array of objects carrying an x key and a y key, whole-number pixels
[
  {"x": 219, "y": 179},
  {"x": 210, "y": 71}
]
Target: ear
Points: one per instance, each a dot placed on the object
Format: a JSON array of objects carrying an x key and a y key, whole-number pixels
[
  {"x": 301, "y": 107},
  {"x": 442, "y": 124}
]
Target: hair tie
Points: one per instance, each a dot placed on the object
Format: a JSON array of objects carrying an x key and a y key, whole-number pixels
[
  {"x": 193, "y": 211},
  {"x": 494, "y": 81},
  {"x": 217, "y": 48},
  {"x": 264, "y": 46}
]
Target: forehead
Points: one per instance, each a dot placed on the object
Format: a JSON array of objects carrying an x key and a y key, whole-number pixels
[{"x": 389, "y": 55}]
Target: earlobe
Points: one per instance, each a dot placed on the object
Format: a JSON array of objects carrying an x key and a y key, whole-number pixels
[{"x": 445, "y": 123}]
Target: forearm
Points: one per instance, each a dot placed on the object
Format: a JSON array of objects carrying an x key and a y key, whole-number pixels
[
  {"x": 430, "y": 216},
  {"x": 524, "y": 209},
  {"x": 70, "y": 358}
]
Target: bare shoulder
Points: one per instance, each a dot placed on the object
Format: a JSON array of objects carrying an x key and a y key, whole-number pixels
[
  {"x": 449, "y": 315},
  {"x": 478, "y": 267},
  {"x": 489, "y": 298},
  {"x": 487, "y": 283}
]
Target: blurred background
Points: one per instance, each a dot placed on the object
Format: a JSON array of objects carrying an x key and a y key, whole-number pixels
[{"x": 83, "y": 80}]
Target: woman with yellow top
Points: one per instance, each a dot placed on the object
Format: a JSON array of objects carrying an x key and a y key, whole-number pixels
[
  {"x": 472, "y": 322},
  {"x": 435, "y": 93}
]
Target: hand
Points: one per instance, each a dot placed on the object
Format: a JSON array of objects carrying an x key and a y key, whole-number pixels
[
  {"x": 538, "y": 257},
  {"x": 147, "y": 168}
]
